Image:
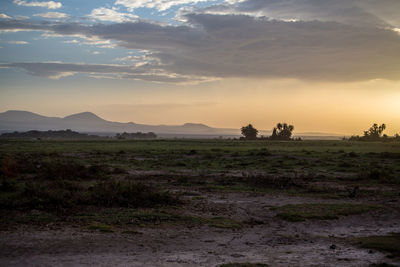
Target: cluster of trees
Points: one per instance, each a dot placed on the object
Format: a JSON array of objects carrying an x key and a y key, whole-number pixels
[
  {"x": 374, "y": 133},
  {"x": 138, "y": 135},
  {"x": 282, "y": 132},
  {"x": 62, "y": 134}
]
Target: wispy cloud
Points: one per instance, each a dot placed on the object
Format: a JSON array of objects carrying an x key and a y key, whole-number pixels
[
  {"x": 162, "y": 105},
  {"x": 107, "y": 14},
  {"x": 4, "y": 16},
  {"x": 353, "y": 12},
  {"x": 52, "y": 15},
  {"x": 56, "y": 70},
  {"x": 18, "y": 42},
  {"x": 81, "y": 39},
  {"x": 48, "y": 5},
  {"x": 21, "y": 17},
  {"x": 74, "y": 41},
  {"x": 160, "y": 5}
]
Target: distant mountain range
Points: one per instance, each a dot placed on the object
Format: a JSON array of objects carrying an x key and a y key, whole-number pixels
[{"x": 88, "y": 122}]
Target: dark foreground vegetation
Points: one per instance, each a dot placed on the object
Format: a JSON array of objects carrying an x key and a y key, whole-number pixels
[{"x": 259, "y": 192}]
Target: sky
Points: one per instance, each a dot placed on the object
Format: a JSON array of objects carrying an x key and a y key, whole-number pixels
[{"x": 322, "y": 65}]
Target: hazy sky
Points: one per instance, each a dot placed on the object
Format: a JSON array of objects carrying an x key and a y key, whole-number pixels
[{"x": 322, "y": 65}]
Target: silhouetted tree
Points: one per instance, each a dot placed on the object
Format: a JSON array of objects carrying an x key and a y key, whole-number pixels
[
  {"x": 249, "y": 132},
  {"x": 375, "y": 132},
  {"x": 282, "y": 131}
]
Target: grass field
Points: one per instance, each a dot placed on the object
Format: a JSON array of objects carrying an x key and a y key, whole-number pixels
[{"x": 203, "y": 187}]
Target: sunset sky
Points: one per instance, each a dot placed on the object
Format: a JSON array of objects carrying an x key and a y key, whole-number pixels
[{"x": 322, "y": 65}]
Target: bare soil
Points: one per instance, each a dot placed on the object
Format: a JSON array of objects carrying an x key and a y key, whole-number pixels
[{"x": 264, "y": 238}]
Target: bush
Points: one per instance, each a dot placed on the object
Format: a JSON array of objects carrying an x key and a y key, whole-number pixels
[
  {"x": 52, "y": 194},
  {"x": 128, "y": 194},
  {"x": 69, "y": 170},
  {"x": 382, "y": 174}
]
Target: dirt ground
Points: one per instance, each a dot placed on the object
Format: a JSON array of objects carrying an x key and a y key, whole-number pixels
[{"x": 263, "y": 239}]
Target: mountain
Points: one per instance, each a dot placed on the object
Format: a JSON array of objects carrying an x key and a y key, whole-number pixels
[
  {"x": 15, "y": 120},
  {"x": 84, "y": 116}
]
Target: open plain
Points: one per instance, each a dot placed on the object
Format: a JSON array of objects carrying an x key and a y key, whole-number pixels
[{"x": 199, "y": 203}]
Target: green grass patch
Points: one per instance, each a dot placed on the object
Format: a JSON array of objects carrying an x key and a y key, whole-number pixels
[
  {"x": 302, "y": 212},
  {"x": 101, "y": 227},
  {"x": 131, "y": 232},
  {"x": 388, "y": 243},
  {"x": 223, "y": 222}
]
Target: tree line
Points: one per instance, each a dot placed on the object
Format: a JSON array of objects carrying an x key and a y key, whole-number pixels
[{"x": 284, "y": 131}]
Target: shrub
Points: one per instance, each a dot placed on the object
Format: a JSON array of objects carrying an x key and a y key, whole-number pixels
[
  {"x": 128, "y": 194},
  {"x": 69, "y": 170},
  {"x": 52, "y": 194},
  {"x": 382, "y": 174}
]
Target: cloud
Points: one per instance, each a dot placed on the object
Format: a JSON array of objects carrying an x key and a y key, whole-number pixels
[
  {"x": 56, "y": 70},
  {"x": 213, "y": 46},
  {"x": 48, "y": 5},
  {"x": 106, "y": 14},
  {"x": 59, "y": 75},
  {"x": 74, "y": 41},
  {"x": 21, "y": 17},
  {"x": 4, "y": 16},
  {"x": 160, "y": 5},
  {"x": 160, "y": 106},
  {"x": 353, "y": 12},
  {"x": 52, "y": 15},
  {"x": 83, "y": 40},
  {"x": 18, "y": 42}
]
